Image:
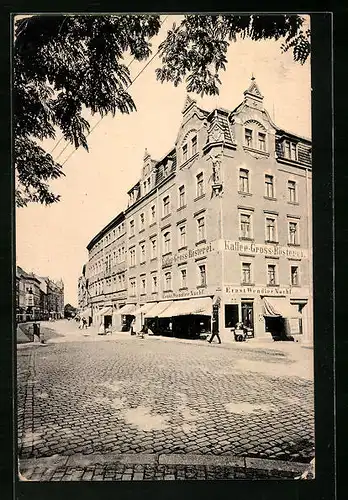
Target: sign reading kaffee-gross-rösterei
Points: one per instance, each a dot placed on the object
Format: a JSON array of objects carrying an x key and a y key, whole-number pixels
[
  {"x": 259, "y": 249},
  {"x": 236, "y": 246}
]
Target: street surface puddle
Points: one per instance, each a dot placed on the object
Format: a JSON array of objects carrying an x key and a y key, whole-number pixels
[
  {"x": 112, "y": 386},
  {"x": 116, "y": 403},
  {"x": 141, "y": 417},
  {"x": 247, "y": 408},
  {"x": 32, "y": 438}
]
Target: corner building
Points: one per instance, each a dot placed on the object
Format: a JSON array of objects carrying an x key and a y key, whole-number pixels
[{"x": 221, "y": 227}]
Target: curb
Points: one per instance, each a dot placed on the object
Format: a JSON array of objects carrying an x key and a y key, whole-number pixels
[{"x": 80, "y": 460}]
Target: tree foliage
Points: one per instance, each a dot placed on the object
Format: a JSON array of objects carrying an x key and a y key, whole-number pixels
[{"x": 65, "y": 65}]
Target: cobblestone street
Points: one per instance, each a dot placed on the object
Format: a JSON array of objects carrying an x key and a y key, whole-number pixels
[{"x": 125, "y": 395}]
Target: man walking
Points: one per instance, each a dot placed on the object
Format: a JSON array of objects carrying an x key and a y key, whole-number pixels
[{"x": 215, "y": 331}]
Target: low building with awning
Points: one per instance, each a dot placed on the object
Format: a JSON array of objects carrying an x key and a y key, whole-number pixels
[
  {"x": 281, "y": 317},
  {"x": 140, "y": 312},
  {"x": 122, "y": 317}
]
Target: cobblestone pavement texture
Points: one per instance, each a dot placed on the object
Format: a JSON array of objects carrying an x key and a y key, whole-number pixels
[{"x": 125, "y": 394}]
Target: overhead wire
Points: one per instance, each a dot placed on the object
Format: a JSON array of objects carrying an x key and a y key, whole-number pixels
[{"x": 101, "y": 118}]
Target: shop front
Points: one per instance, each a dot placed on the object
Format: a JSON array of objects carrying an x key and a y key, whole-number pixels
[
  {"x": 189, "y": 318},
  {"x": 123, "y": 317}
]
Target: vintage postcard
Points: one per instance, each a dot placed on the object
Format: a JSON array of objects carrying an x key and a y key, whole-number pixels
[{"x": 164, "y": 281}]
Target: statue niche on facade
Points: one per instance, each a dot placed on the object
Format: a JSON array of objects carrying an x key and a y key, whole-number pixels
[{"x": 216, "y": 160}]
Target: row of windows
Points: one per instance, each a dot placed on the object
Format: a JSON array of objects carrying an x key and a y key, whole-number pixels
[
  {"x": 269, "y": 186},
  {"x": 118, "y": 282},
  {"x": 112, "y": 236},
  {"x": 167, "y": 242},
  {"x": 272, "y": 274},
  {"x": 166, "y": 205},
  {"x": 168, "y": 281},
  {"x": 109, "y": 261},
  {"x": 271, "y": 228},
  {"x": 257, "y": 140}
]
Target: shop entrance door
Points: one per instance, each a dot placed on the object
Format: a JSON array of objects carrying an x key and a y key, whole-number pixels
[
  {"x": 248, "y": 317},
  {"x": 231, "y": 315}
]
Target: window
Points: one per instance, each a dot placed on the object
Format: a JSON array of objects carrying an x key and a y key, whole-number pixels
[
  {"x": 182, "y": 236},
  {"x": 293, "y": 233},
  {"x": 131, "y": 228},
  {"x": 292, "y": 196},
  {"x": 132, "y": 260},
  {"x": 243, "y": 181},
  {"x": 145, "y": 187},
  {"x": 142, "y": 221},
  {"x": 143, "y": 285},
  {"x": 184, "y": 152},
  {"x": 200, "y": 229},
  {"x": 245, "y": 226},
  {"x": 123, "y": 254},
  {"x": 166, "y": 242},
  {"x": 200, "y": 184},
  {"x": 153, "y": 248},
  {"x": 168, "y": 281},
  {"x": 194, "y": 145},
  {"x": 269, "y": 186},
  {"x": 290, "y": 150},
  {"x": 294, "y": 275},
  {"x": 248, "y": 137},
  {"x": 181, "y": 196},
  {"x": 271, "y": 274},
  {"x": 166, "y": 206},
  {"x": 246, "y": 273},
  {"x": 183, "y": 278},
  {"x": 154, "y": 284},
  {"x": 153, "y": 213},
  {"x": 120, "y": 282},
  {"x": 262, "y": 141},
  {"x": 142, "y": 253},
  {"x": 132, "y": 287},
  {"x": 271, "y": 229},
  {"x": 202, "y": 275}
]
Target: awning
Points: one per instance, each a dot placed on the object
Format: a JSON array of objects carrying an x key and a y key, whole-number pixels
[
  {"x": 158, "y": 309},
  {"x": 127, "y": 309},
  {"x": 279, "y": 307},
  {"x": 144, "y": 308},
  {"x": 201, "y": 306},
  {"x": 85, "y": 314},
  {"x": 106, "y": 311}
]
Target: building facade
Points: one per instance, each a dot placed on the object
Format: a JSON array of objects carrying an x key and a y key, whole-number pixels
[
  {"x": 224, "y": 217},
  {"x": 37, "y": 297},
  {"x": 105, "y": 280}
]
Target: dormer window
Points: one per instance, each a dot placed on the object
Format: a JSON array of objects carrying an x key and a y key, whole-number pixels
[
  {"x": 290, "y": 150},
  {"x": 248, "y": 137},
  {"x": 194, "y": 145},
  {"x": 184, "y": 153},
  {"x": 262, "y": 141}
]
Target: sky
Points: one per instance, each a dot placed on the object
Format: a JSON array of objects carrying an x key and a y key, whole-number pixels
[{"x": 51, "y": 241}]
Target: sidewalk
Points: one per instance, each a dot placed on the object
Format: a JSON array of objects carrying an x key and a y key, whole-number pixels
[{"x": 138, "y": 467}]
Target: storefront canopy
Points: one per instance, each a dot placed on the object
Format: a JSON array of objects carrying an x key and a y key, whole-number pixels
[
  {"x": 201, "y": 306},
  {"x": 86, "y": 313},
  {"x": 279, "y": 307},
  {"x": 107, "y": 311},
  {"x": 158, "y": 309},
  {"x": 144, "y": 308},
  {"x": 127, "y": 309}
]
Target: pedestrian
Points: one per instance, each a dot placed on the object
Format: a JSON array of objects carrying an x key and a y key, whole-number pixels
[
  {"x": 101, "y": 330},
  {"x": 215, "y": 331},
  {"x": 81, "y": 324},
  {"x": 132, "y": 327}
]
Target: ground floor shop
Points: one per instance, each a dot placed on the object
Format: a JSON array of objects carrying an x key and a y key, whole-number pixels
[{"x": 279, "y": 314}]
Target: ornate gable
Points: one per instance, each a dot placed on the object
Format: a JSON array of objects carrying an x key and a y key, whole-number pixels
[{"x": 188, "y": 104}]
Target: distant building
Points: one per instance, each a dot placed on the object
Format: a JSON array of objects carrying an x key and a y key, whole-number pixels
[
  {"x": 38, "y": 297},
  {"x": 217, "y": 230}
]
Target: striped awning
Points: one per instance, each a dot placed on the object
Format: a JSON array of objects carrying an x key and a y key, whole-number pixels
[
  {"x": 144, "y": 308},
  {"x": 106, "y": 311},
  {"x": 158, "y": 309},
  {"x": 127, "y": 309},
  {"x": 199, "y": 307},
  {"x": 276, "y": 307}
]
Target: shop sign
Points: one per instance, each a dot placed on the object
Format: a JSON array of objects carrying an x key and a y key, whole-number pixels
[
  {"x": 255, "y": 290},
  {"x": 271, "y": 250},
  {"x": 188, "y": 254},
  {"x": 186, "y": 294}
]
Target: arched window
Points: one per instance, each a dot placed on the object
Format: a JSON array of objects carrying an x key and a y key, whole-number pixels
[{"x": 255, "y": 135}]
